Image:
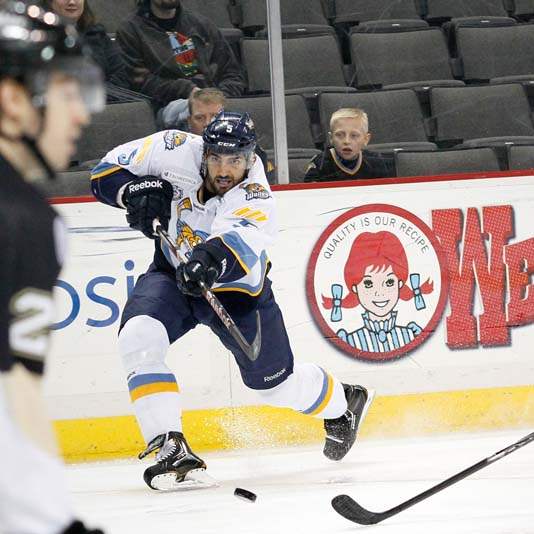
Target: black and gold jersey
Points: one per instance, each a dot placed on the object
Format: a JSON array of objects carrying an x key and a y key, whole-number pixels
[
  {"x": 31, "y": 241},
  {"x": 329, "y": 167}
]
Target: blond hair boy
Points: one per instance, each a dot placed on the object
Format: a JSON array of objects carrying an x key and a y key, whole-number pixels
[{"x": 344, "y": 158}]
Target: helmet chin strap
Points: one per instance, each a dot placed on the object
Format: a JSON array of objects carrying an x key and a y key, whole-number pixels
[{"x": 31, "y": 145}]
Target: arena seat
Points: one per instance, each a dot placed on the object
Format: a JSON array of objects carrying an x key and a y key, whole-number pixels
[
  {"x": 354, "y": 11},
  {"x": 481, "y": 114},
  {"x": 451, "y": 26},
  {"x": 299, "y": 133},
  {"x": 298, "y": 161},
  {"x": 309, "y": 61},
  {"x": 449, "y": 9},
  {"x": 521, "y": 157},
  {"x": 220, "y": 12},
  {"x": 446, "y": 162},
  {"x": 298, "y": 30},
  {"x": 522, "y": 8},
  {"x": 254, "y": 13},
  {"x": 117, "y": 124},
  {"x": 391, "y": 25},
  {"x": 386, "y": 55},
  {"x": 502, "y": 52}
]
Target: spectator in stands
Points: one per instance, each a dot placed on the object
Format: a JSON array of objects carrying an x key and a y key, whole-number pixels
[
  {"x": 199, "y": 110},
  {"x": 172, "y": 52},
  {"x": 203, "y": 106},
  {"x": 345, "y": 158},
  {"x": 104, "y": 51}
]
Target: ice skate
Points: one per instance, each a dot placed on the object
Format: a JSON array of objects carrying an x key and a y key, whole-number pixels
[
  {"x": 341, "y": 432},
  {"x": 176, "y": 467}
]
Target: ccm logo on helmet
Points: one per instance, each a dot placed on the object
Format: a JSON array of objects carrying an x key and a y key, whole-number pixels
[
  {"x": 222, "y": 143},
  {"x": 145, "y": 185}
]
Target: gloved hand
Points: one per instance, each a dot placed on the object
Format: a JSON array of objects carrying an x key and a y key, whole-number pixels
[
  {"x": 145, "y": 199},
  {"x": 206, "y": 264}
]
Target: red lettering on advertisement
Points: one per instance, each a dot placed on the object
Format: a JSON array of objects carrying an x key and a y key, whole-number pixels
[
  {"x": 519, "y": 259},
  {"x": 475, "y": 269}
]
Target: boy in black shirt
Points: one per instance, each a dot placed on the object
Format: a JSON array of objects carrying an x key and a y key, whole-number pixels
[{"x": 345, "y": 158}]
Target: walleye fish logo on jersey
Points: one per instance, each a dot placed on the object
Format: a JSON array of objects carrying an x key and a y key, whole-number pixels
[
  {"x": 376, "y": 282},
  {"x": 174, "y": 139},
  {"x": 184, "y": 233},
  {"x": 255, "y": 191}
]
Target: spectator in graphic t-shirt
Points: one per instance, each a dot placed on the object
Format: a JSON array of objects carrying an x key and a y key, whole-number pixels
[
  {"x": 171, "y": 52},
  {"x": 346, "y": 158}
]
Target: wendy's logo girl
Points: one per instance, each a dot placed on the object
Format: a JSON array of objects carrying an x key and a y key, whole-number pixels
[{"x": 377, "y": 275}]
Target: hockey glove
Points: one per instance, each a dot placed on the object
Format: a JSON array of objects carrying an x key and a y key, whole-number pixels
[
  {"x": 206, "y": 264},
  {"x": 145, "y": 199}
]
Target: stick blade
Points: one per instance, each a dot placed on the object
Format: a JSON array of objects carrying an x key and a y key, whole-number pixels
[{"x": 351, "y": 510}]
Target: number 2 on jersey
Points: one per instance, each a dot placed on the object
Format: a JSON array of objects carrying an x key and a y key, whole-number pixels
[{"x": 32, "y": 311}]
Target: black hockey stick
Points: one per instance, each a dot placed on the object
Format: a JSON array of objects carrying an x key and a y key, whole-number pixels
[
  {"x": 351, "y": 510},
  {"x": 251, "y": 350}
]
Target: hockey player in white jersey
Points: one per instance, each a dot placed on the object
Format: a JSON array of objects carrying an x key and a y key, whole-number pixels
[{"x": 212, "y": 195}]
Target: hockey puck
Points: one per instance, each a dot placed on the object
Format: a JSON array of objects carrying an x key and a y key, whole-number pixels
[{"x": 245, "y": 495}]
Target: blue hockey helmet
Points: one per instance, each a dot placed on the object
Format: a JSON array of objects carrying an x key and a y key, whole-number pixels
[{"x": 230, "y": 133}]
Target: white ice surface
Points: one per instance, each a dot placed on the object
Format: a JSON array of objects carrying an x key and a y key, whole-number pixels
[{"x": 295, "y": 486}]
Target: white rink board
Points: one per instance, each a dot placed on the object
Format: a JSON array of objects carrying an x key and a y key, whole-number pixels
[{"x": 86, "y": 378}]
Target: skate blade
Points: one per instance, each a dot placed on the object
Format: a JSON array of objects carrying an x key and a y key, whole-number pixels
[{"x": 195, "y": 479}]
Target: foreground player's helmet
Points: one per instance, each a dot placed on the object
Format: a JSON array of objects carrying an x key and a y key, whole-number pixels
[
  {"x": 35, "y": 43},
  {"x": 230, "y": 133}
]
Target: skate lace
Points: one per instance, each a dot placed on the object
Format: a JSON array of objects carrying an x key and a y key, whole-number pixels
[{"x": 168, "y": 449}]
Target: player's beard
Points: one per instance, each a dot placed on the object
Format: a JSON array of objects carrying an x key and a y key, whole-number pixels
[{"x": 220, "y": 184}]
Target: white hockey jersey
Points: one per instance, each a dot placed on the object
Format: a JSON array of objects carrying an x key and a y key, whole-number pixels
[{"x": 244, "y": 218}]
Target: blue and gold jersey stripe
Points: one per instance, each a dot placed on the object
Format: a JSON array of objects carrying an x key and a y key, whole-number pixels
[
  {"x": 106, "y": 181},
  {"x": 104, "y": 169},
  {"x": 243, "y": 287},
  {"x": 242, "y": 252}
]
